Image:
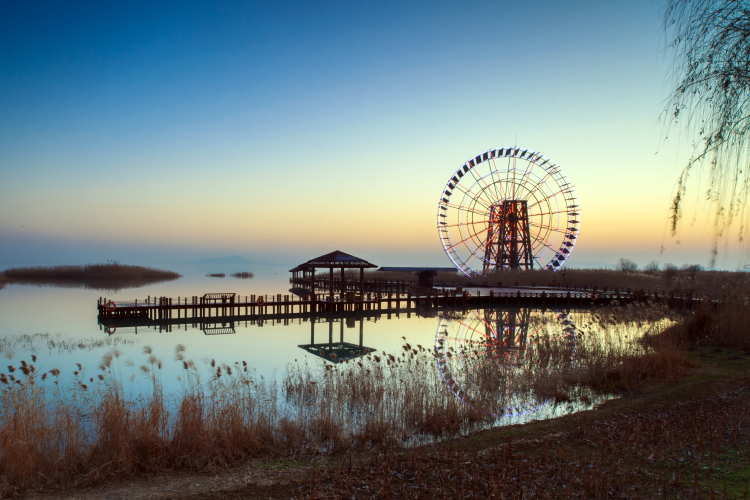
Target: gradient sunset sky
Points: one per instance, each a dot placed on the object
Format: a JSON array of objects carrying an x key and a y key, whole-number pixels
[{"x": 161, "y": 132}]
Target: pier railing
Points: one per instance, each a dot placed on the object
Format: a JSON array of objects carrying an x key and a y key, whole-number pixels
[{"x": 215, "y": 307}]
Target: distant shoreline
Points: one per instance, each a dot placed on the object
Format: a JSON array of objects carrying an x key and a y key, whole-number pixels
[{"x": 108, "y": 270}]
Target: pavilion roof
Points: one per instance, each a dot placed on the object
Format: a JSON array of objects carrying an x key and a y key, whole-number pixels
[
  {"x": 337, "y": 351},
  {"x": 337, "y": 258}
]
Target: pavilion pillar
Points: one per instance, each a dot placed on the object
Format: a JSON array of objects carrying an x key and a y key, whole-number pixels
[
  {"x": 341, "y": 331},
  {"x": 362, "y": 281},
  {"x": 330, "y": 331},
  {"x": 312, "y": 283},
  {"x": 361, "y": 322},
  {"x": 330, "y": 281},
  {"x": 312, "y": 330},
  {"x": 343, "y": 282}
]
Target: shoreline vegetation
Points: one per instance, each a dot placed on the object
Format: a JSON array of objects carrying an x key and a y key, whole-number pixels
[
  {"x": 105, "y": 276},
  {"x": 687, "y": 279}
]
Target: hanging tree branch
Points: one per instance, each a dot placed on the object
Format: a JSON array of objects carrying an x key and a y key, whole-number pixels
[{"x": 711, "y": 99}]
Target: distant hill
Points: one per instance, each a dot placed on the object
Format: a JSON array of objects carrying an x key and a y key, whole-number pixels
[{"x": 234, "y": 260}]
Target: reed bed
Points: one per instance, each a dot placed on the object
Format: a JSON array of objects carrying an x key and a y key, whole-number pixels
[
  {"x": 243, "y": 275},
  {"x": 106, "y": 270},
  {"x": 55, "y": 433},
  {"x": 110, "y": 276},
  {"x": 717, "y": 284}
]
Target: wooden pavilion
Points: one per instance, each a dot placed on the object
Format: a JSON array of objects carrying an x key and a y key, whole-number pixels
[{"x": 334, "y": 260}]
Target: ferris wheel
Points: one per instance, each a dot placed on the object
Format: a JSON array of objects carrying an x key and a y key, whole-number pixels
[
  {"x": 508, "y": 208},
  {"x": 492, "y": 359}
]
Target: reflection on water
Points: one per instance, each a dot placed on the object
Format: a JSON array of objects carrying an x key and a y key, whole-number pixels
[
  {"x": 57, "y": 344},
  {"x": 501, "y": 361},
  {"x": 339, "y": 351},
  {"x": 104, "y": 284}
]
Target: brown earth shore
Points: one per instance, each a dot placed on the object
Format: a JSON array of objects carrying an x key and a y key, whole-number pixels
[{"x": 686, "y": 439}]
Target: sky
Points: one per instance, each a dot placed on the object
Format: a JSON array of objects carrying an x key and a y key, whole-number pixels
[{"x": 165, "y": 132}]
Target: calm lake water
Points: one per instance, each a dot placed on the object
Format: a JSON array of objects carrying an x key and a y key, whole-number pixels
[{"x": 59, "y": 326}]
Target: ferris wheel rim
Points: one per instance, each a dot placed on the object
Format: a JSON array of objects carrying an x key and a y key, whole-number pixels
[{"x": 550, "y": 250}]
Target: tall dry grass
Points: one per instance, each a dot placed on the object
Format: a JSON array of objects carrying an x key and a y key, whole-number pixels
[
  {"x": 714, "y": 283},
  {"x": 87, "y": 429},
  {"x": 717, "y": 284}
]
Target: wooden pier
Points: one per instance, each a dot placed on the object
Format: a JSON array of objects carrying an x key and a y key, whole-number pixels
[{"x": 220, "y": 307}]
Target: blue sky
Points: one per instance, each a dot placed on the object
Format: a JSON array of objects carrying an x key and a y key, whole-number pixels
[{"x": 284, "y": 130}]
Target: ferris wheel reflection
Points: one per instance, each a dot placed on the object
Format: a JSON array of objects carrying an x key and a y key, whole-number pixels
[{"x": 507, "y": 362}]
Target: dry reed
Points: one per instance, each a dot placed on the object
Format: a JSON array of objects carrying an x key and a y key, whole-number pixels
[
  {"x": 107, "y": 270},
  {"x": 717, "y": 284}
]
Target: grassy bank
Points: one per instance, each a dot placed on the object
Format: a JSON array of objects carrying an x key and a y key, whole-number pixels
[{"x": 109, "y": 270}]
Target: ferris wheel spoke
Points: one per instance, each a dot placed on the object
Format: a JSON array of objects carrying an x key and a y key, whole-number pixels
[
  {"x": 544, "y": 241},
  {"x": 497, "y": 182},
  {"x": 470, "y": 342},
  {"x": 497, "y": 195},
  {"x": 466, "y": 209},
  {"x": 464, "y": 223},
  {"x": 564, "y": 190},
  {"x": 474, "y": 253},
  {"x": 478, "y": 198},
  {"x": 548, "y": 213},
  {"x": 467, "y": 239},
  {"x": 541, "y": 181},
  {"x": 472, "y": 329},
  {"x": 550, "y": 228},
  {"x": 537, "y": 256},
  {"x": 527, "y": 175}
]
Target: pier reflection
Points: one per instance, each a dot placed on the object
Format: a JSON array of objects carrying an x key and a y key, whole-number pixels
[
  {"x": 337, "y": 351},
  {"x": 504, "y": 362}
]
